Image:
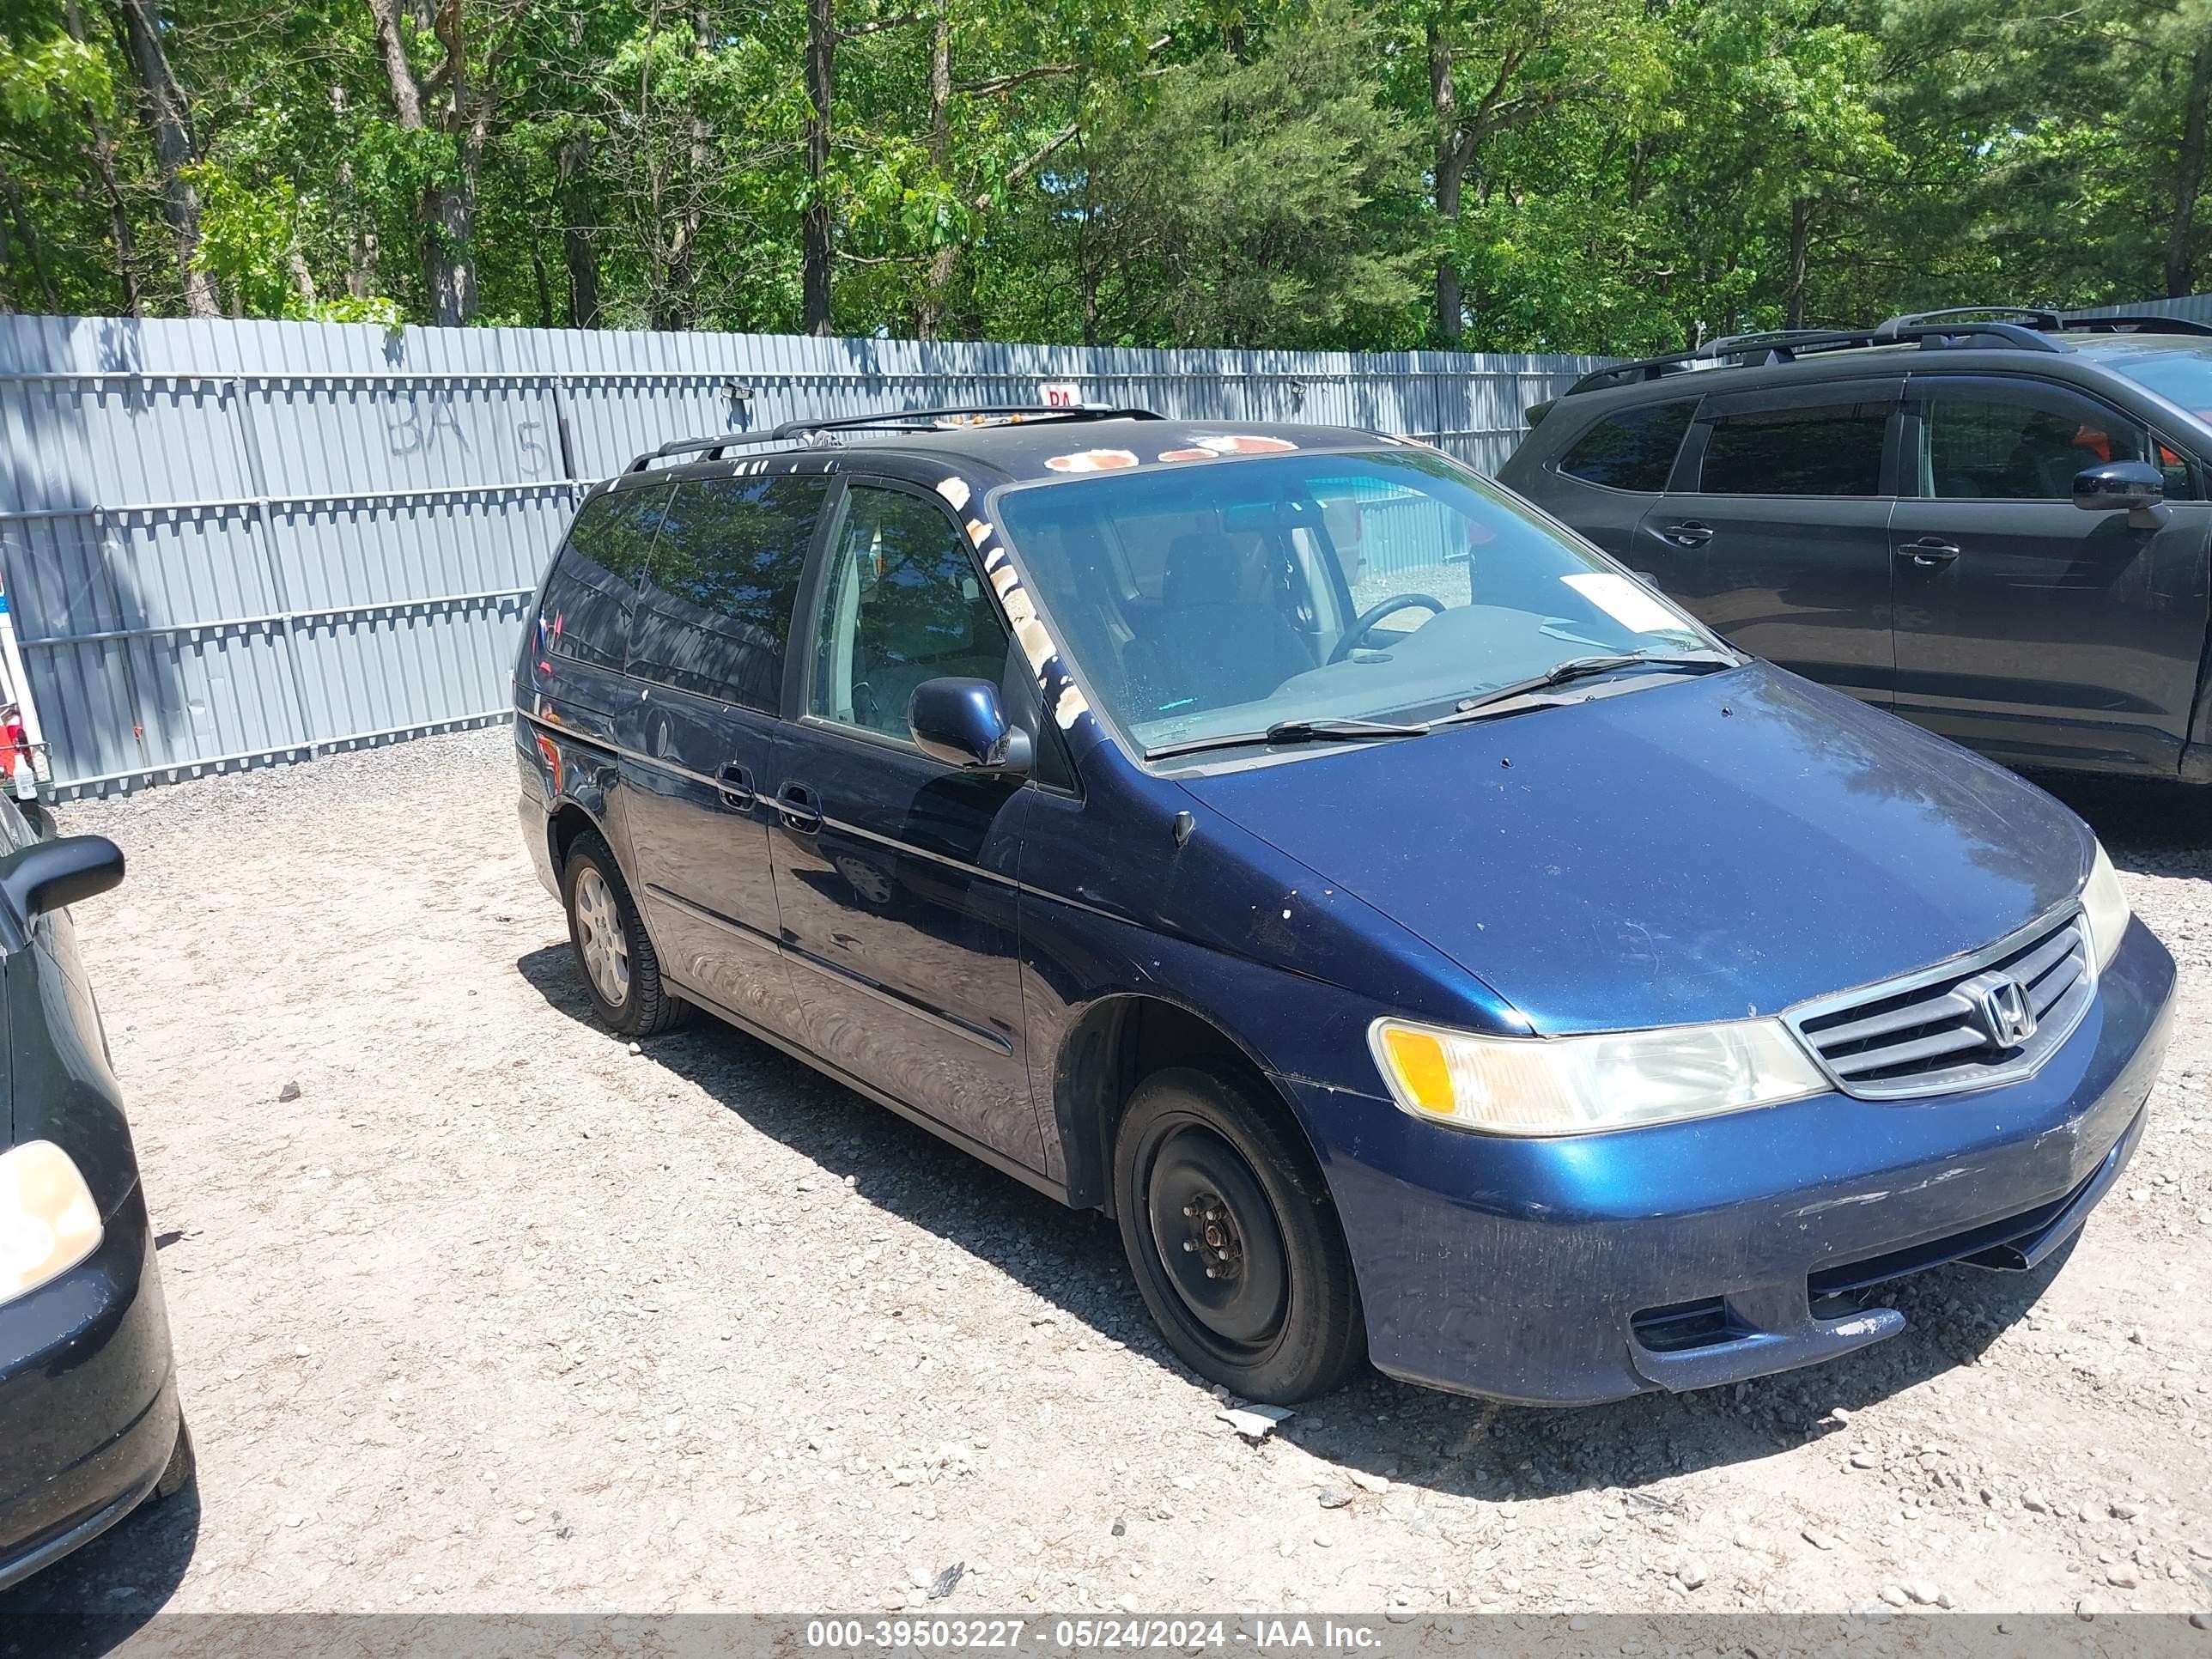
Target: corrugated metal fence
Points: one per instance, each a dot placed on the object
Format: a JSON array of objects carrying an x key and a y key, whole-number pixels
[{"x": 231, "y": 542}]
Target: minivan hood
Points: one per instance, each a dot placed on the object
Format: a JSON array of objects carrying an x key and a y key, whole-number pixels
[{"x": 1695, "y": 849}]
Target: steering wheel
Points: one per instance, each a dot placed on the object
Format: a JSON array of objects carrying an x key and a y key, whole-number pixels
[{"x": 1365, "y": 624}]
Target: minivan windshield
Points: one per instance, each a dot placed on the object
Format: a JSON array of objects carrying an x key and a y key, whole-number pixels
[{"x": 1218, "y": 598}]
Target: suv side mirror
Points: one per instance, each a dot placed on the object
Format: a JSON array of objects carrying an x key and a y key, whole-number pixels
[
  {"x": 53, "y": 875},
  {"x": 959, "y": 721},
  {"x": 2135, "y": 485}
]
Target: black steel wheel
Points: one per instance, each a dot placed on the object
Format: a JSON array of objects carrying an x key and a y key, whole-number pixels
[{"x": 1234, "y": 1240}]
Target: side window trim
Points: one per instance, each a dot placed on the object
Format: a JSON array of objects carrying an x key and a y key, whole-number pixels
[
  {"x": 1923, "y": 387},
  {"x": 799, "y": 667},
  {"x": 832, "y": 495},
  {"x": 1557, "y": 464},
  {"x": 1689, "y": 465},
  {"x": 566, "y": 550}
]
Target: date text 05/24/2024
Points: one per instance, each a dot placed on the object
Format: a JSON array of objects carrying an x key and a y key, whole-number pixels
[{"x": 1088, "y": 1635}]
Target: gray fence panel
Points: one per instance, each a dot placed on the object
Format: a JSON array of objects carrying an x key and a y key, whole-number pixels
[
  {"x": 231, "y": 542},
  {"x": 2194, "y": 308}
]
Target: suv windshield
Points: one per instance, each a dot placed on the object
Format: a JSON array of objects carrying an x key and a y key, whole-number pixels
[
  {"x": 1218, "y": 598},
  {"x": 2180, "y": 374}
]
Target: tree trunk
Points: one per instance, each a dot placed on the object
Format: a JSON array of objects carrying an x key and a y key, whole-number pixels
[
  {"x": 111, "y": 185},
  {"x": 27, "y": 235},
  {"x": 447, "y": 209},
  {"x": 944, "y": 259},
  {"x": 1801, "y": 237},
  {"x": 168, "y": 118},
  {"x": 2189, "y": 176},
  {"x": 581, "y": 253},
  {"x": 815, "y": 249},
  {"x": 683, "y": 261},
  {"x": 1451, "y": 160},
  {"x": 303, "y": 280}
]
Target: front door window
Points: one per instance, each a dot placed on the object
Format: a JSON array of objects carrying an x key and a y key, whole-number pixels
[{"x": 903, "y": 603}]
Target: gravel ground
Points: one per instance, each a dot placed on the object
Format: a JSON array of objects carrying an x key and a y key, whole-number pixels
[{"x": 497, "y": 1315}]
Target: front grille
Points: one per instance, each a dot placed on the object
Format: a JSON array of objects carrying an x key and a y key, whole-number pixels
[{"x": 1947, "y": 1028}]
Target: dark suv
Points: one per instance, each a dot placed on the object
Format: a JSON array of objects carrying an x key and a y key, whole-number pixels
[
  {"x": 1994, "y": 522},
  {"x": 1421, "y": 937}
]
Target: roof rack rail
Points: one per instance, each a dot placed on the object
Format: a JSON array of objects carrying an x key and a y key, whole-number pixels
[
  {"x": 931, "y": 420},
  {"x": 2036, "y": 317},
  {"x": 1934, "y": 328},
  {"x": 1779, "y": 346},
  {"x": 710, "y": 448},
  {"x": 2144, "y": 325},
  {"x": 1929, "y": 329},
  {"x": 905, "y": 419}
]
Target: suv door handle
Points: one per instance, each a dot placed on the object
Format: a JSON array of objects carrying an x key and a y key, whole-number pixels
[
  {"x": 1930, "y": 551},
  {"x": 801, "y": 807},
  {"x": 735, "y": 784},
  {"x": 1688, "y": 533}
]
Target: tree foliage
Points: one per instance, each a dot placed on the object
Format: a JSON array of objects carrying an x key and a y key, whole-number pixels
[{"x": 1606, "y": 175}]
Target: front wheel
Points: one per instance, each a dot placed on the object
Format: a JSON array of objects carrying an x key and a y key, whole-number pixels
[
  {"x": 621, "y": 971},
  {"x": 1234, "y": 1240}
]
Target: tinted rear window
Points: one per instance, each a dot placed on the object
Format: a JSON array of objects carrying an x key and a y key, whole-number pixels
[
  {"x": 1633, "y": 449},
  {"x": 1833, "y": 449},
  {"x": 588, "y": 595},
  {"x": 715, "y": 612}
]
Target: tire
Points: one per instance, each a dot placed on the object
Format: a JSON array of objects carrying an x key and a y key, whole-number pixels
[
  {"x": 621, "y": 974},
  {"x": 1203, "y": 1177},
  {"x": 183, "y": 1465}
]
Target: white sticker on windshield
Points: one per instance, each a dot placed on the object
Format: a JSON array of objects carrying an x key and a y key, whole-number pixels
[{"x": 1628, "y": 603}]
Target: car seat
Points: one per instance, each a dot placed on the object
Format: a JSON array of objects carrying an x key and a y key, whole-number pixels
[{"x": 1217, "y": 640}]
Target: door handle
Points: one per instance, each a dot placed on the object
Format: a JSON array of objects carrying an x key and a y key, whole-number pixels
[
  {"x": 1930, "y": 552},
  {"x": 735, "y": 784},
  {"x": 800, "y": 809},
  {"x": 1689, "y": 533}
]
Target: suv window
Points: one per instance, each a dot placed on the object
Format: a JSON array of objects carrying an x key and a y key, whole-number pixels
[
  {"x": 1826, "y": 449},
  {"x": 903, "y": 604},
  {"x": 588, "y": 595},
  {"x": 1632, "y": 449},
  {"x": 1989, "y": 443},
  {"x": 715, "y": 613}
]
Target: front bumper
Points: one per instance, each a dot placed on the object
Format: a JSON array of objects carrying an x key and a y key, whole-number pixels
[
  {"x": 88, "y": 1412},
  {"x": 1591, "y": 1267}
]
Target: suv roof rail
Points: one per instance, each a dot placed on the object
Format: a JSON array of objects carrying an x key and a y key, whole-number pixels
[
  {"x": 2143, "y": 324},
  {"x": 2037, "y": 317},
  {"x": 1929, "y": 329},
  {"x": 905, "y": 419},
  {"x": 1777, "y": 346}
]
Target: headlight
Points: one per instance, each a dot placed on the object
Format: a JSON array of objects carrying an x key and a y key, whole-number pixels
[
  {"x": 48, "y": 1222},
  {"x": 1576, "y": 1085},
  {"x": 2104, "y": 908}
]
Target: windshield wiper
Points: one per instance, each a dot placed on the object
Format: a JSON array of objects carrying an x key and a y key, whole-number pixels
[
  {"x": 1582, "y": 668},
  {"x": 1323, "y": 731}
]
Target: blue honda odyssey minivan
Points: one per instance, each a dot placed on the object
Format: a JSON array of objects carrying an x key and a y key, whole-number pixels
[{"x": 1431, "y": 945}]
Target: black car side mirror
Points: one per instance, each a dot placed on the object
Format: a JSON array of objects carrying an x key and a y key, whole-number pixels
[
  {"x": 2135, "y": 485},
  {"x": 52, "y": 875},
  {"x": 959, "y": 721}
]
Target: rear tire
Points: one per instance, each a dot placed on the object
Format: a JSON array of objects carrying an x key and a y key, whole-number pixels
[
  {"x": 621, "y": 974},
  {"x": 1234, "y": 1240}
]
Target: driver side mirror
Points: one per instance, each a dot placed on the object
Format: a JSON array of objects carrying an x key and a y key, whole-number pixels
[
  {"x": 959, "y": 721},
  {"x": 52, "y": 875},
  {"x": 2137, "y": 486}
]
